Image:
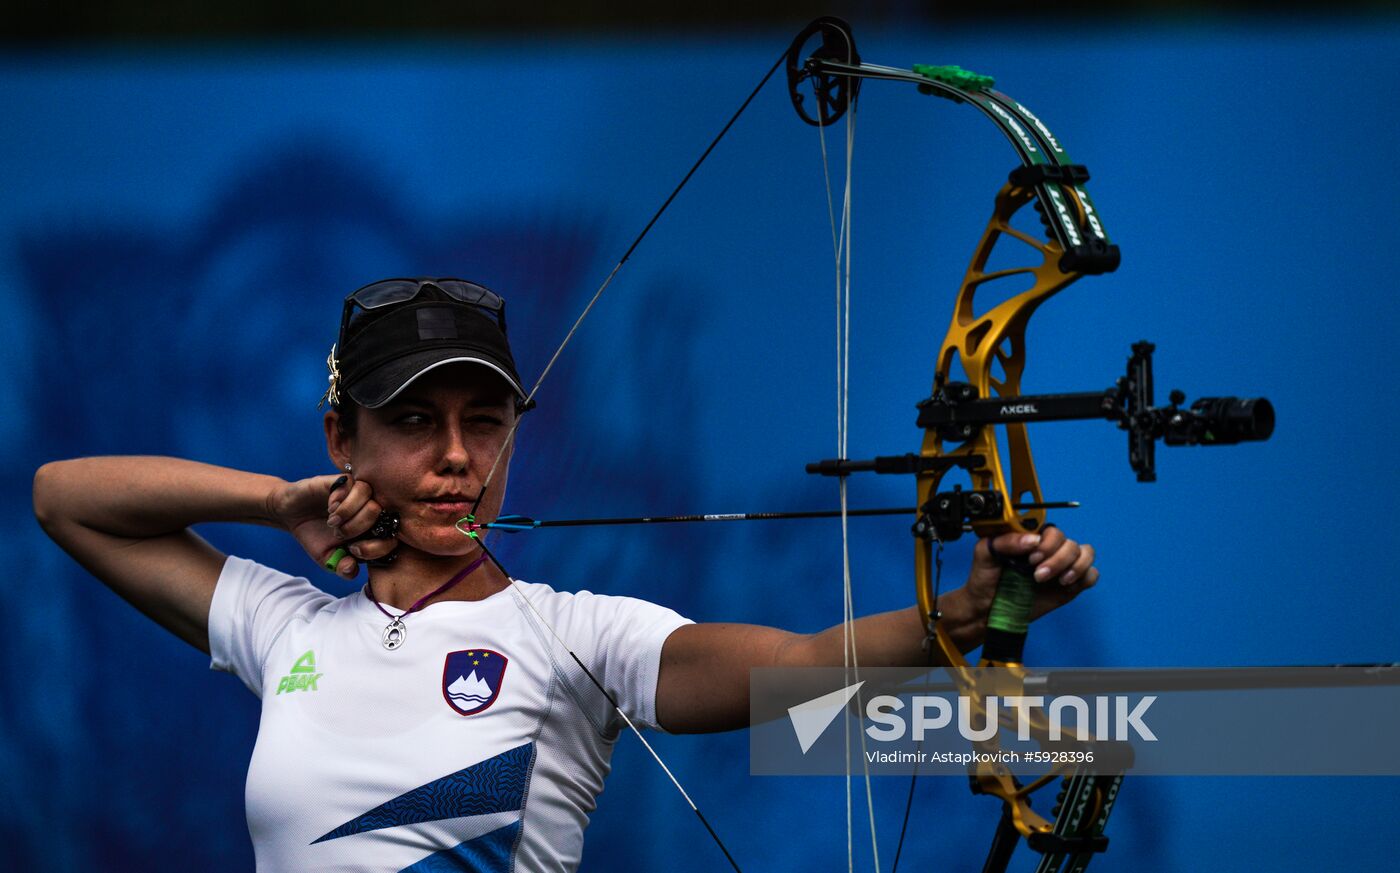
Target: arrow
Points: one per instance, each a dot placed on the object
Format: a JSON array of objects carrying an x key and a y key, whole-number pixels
[{"x": 520, "y": 523}]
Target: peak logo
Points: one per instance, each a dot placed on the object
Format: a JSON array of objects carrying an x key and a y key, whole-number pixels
[{"x": 302, "y": 676}]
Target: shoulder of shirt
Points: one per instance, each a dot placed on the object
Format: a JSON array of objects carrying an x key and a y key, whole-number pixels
[
  {"x": 540, "y": 594},
  {"x": 541, "y": 589},
  {"x": 315, "y": 599}
]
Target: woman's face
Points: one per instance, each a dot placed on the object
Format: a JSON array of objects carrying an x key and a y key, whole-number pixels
[{"x": 427, "y": 453}]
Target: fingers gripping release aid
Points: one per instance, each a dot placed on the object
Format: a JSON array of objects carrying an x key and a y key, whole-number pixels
[{"x": 387, "y": 525}]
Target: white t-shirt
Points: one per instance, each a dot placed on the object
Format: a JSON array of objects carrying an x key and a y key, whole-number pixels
[{"x": 477, "y": 745}]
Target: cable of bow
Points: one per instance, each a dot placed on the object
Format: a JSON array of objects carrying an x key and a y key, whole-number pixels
[{"x": 839, "y": 44}]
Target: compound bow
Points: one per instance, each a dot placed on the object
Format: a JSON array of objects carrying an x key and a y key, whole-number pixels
[{"x": 961, "y": 417}]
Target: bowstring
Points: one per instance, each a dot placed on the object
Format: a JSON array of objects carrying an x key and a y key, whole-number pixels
[
  {"x": 918, "y": 746},
  {"x": 838, "y": 248},
  {"x": 841, "y": 247},
  {"x": 845, "y": 535}
]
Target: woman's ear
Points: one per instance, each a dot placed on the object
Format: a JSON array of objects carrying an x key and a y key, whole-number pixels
[{"x": 338, "y": 442}]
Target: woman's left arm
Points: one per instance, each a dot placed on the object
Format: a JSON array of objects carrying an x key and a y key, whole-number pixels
[{"x": 703, "y": 686}]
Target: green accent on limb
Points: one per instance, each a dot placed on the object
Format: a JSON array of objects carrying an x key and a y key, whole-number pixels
[
  {"x": 952, "y": 74},
  {"x": 1011, "y": 609},
  {"x": 334, "y": 560}
]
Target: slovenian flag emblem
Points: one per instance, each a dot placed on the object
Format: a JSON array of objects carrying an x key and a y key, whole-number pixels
[{"x": 471, "y": 679}]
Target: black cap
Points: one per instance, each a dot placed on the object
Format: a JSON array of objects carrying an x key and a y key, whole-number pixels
[{"x": 385, "y": 350}]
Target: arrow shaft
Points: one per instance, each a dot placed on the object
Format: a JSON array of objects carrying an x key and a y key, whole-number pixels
[
  {"x": 727, "y": 516},
  {"x": 518, "y": 523}
]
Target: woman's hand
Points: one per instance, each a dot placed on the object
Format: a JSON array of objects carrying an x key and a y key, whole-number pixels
[
  {"x": 324, "y": 512},
  {"x": 1063, "y": 568}
]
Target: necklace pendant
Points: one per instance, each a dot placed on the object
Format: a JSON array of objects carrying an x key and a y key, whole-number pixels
[{"x": 394, "y": 634}]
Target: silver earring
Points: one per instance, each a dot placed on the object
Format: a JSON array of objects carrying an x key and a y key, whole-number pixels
[{"x": 347, "y": 467}]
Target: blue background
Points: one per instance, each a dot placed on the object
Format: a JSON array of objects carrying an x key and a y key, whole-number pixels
[{"x": 179, "y": 226}]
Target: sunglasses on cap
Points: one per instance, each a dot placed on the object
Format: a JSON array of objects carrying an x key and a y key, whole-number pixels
[
  {"x": 389, "y": 292},
  {"x": 392, "y": 292}
]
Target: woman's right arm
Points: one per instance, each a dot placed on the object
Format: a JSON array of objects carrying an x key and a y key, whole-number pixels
[{"x": 126, "y": 520}]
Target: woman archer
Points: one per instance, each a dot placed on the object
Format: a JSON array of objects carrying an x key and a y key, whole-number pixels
[{"x": 450, "y": 725}]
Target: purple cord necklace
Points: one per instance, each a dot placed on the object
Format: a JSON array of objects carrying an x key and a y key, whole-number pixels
[{"x": 396, "y": 632}]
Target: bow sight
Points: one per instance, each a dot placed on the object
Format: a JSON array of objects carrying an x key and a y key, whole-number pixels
[{"x": 957, "y": 414}]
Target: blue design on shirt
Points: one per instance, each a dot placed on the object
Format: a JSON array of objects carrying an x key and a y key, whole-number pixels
[
  {"x": 494, "y": 785},
  {"x": 488, "y": 853}
]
